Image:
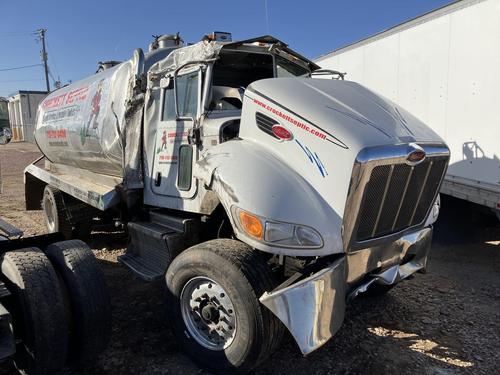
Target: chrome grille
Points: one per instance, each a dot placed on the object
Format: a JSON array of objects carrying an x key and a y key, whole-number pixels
[{"x": 388, "y": 196}]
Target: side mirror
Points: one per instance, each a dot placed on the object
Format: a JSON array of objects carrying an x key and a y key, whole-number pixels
[{"x": 5, "y": 136}]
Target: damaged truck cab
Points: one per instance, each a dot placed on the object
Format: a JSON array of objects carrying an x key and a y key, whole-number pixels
[{"x": 264, "y": 196}]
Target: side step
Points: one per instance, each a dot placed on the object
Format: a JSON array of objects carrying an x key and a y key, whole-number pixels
[{"x": 154, "y": 244}]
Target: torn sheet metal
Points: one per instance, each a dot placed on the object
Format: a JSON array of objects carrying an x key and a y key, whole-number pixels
[
  {"x": 414, "y": 246},
  {"x": 313, "y": 308},
  {"x": 197, "y": 52}
]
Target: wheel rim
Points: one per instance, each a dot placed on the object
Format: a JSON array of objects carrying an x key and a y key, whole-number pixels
[
  {"x": 208, "y": 313},
  {"x": 50, "y": 213}
]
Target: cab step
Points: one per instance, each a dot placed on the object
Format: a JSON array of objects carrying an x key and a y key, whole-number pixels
[{"x": 155, "y": 243}]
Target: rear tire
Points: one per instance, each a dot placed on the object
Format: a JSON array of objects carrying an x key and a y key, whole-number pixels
[
  {"x": 39, "y": 314},
  {"x": 242, "y": 275},
  {"x": 65, "y": 214},
  {"x": 90, "y": 305}
]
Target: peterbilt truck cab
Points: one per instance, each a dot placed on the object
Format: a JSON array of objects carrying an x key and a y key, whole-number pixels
[{"x": 264, "y": 197}]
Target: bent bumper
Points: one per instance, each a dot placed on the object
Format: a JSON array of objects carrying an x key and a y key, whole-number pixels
[{"x": 313, "y": 309}]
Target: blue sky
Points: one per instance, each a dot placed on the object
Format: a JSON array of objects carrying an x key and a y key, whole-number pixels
[{"x": 81, "y": 33}]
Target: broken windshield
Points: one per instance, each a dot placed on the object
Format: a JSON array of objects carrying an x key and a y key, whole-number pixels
[
  {"x": 286, "y": 68},
  {"x": 235, "y": 70}
]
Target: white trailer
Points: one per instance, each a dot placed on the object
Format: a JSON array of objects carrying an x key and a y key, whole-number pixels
[{"x": 443, "y": 68}]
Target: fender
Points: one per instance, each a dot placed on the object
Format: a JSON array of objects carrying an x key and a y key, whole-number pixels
[{"x": 247, "y": 174}]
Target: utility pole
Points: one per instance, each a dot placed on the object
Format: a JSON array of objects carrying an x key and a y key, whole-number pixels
[{"x": 41, "y": 33}]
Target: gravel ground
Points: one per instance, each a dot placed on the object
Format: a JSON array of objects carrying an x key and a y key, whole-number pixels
[{"x": 444, "y": 322}]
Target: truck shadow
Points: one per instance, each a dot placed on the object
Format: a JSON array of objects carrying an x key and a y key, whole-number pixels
[{"x": 462, "y": 222}]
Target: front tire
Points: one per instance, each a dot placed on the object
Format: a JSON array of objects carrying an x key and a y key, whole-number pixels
[{"x": 213, "y": 292}]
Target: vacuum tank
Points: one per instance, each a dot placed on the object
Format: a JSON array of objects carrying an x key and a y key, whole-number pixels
[{"x": 80, "y": 124}]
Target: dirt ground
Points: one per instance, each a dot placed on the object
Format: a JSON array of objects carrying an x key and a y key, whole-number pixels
[{"x": 444, "y": 322}]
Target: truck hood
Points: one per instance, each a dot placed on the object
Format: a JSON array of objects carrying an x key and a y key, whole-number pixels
[{"x": 351, "y": 115}]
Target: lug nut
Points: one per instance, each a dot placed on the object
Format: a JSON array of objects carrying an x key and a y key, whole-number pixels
[
  {"x": 222, "y": 295},
  {"x": 230, "y": 311},
  {"x": 209, "y": 286}
]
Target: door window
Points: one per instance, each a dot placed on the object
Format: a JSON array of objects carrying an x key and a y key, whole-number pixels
[{"x": 187, "y": 95}]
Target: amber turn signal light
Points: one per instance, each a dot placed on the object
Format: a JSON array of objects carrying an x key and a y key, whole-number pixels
[{"x": 251, "y": 225}]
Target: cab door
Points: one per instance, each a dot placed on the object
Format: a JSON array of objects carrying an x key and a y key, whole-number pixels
[{"x": 173, "y": 155}]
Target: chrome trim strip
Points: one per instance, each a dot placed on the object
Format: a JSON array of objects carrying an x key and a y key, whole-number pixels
[
  {"x": 421, "y": 191},
  {"x": 404, "y": 195},
  {"x": 386, "y": 188}
]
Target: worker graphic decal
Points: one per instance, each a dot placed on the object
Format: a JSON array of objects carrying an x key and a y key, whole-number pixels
[
  {"x": 96, "y": 111},
  {"x": 166, "y": 150},
  {"x": 164, "y": 140}
]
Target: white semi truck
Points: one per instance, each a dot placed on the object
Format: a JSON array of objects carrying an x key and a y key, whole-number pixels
[
  {"x": 443, "y": 68},
  {"x": 265, "y": 198}
]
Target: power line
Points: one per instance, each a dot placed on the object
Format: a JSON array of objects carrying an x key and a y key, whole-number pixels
[
  {"x": 267, "y": 16},
  {"x": 16, "y": 34},
  {"x": 21, "y": 80},
  {"x": 20, "y": 67}
]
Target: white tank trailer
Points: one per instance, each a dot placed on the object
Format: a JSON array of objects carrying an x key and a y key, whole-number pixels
[{"x": 264, "y": 197}]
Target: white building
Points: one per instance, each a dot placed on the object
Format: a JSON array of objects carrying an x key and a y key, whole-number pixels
[{"x": 23, "y": 106}]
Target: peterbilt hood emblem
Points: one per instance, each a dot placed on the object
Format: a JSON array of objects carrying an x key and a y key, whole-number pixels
[{"x": 415, "y": 156}]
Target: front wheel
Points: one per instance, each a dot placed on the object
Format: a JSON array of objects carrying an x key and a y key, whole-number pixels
[{"x": 213, "y": 292}]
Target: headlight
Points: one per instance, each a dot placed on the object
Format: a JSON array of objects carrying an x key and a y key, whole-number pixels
[{"x": 276, "y": 233}]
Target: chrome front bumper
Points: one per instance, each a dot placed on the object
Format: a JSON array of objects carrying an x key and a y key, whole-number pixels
[{"x": 313, "y": 308}]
